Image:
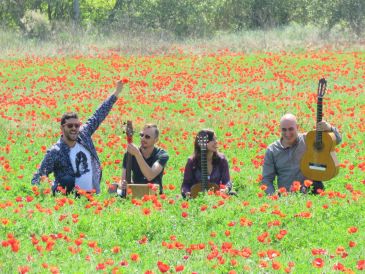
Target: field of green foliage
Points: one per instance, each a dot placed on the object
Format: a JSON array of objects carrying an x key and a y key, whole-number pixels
[{"x": 242, "y": 97}]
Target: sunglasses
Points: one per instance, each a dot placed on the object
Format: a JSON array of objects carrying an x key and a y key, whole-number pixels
[
  {"x": 71, "y": 125},
  {"x": 146, "y": 136},
  {"x": 287, "y": 129}
]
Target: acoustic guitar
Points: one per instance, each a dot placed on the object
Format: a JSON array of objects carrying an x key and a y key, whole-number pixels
[
  {"x": 204, "y": 185},
  {"x": 319, "y": 162},
  {"x": 128, "y": 171},
  {"x": 136, "y": 190}
]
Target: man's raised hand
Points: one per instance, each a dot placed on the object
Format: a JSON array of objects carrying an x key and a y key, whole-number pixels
[{"x": 118, "y": 87}]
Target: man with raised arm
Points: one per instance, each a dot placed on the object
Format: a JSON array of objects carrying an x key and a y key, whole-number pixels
[
  {"x": 73, "y": 159},
  {"x": 282, "y": 158}
]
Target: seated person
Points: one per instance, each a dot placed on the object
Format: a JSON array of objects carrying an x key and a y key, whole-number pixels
[
  {"x": 148, "y": 161},
  {"x": 73, "y": 159},
  {"x": 282, "y": 158},
  {"x": 218, "y": 170}
]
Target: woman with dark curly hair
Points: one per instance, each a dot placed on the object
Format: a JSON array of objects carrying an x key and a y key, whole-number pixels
[{"x": 215, "y": 165}]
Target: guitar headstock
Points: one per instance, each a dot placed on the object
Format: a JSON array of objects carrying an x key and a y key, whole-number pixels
[
  {"x": 129, "y": 131},
  {"x": 322, "y": 85},
  {"x": 203, "y": 140}
]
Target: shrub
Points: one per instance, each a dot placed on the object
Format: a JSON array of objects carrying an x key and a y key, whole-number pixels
[{"x": 36, "y": 24}]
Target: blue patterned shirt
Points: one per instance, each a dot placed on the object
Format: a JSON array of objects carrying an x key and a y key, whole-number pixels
[{"x": 57, "y": 159}]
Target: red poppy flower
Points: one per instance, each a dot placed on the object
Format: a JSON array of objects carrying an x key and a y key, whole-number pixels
[
  {"x": 162, "y": 267},
  {"x": 361, "y": 265},
  {"x": 318, "y": 262}
]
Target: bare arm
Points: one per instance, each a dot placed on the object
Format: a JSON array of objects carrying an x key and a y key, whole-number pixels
[
  {"x": 123, "y": 174},
  {"x": 325, "y": 126},
  {"x": 149, "y": 172}
]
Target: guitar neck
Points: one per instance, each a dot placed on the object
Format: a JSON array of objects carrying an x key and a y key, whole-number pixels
[
  {"x": 204, "y": 169},
  {"x": 128, "y": 170},
  {"x": 319, "y": 119}
]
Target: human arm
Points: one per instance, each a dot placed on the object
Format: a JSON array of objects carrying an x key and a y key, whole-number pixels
[
  {"x": 118, "y": 88},
  {"x": 188, "y": 180},
  {"x": 325, "y": 126},
  {"x": 268, "y": 172},
  {"x": 124, "y": 171},
  {"x": 225, "y": 180},
  {"x": 102, "y": 112},
  {"x": 46, "y": 167},
  {"x": 149, "y": 172}
]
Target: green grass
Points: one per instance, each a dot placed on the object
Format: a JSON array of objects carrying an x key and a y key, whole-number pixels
[{"x": 241, "y": 96}]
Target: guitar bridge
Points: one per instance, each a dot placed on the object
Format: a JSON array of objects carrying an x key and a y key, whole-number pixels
[{"x": 319, "y": 167}]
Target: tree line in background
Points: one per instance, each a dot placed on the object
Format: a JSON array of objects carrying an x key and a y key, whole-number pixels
[{"x": 182, "y": 18}]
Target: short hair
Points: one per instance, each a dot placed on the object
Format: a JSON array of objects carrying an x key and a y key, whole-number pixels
[
  {"x": 68, "y": 115},
  {"x": 154, "y": 126}
]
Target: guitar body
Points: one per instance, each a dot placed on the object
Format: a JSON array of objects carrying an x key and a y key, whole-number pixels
[
  {"x": 140, "y": 190},
  {"x": 320, "y": 164},
  {"x": 195, "y": 189}
]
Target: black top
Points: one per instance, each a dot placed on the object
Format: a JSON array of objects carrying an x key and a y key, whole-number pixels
[{"x": 158, "y": 154}]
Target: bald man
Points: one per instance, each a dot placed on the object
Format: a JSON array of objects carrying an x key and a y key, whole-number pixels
[{"x": 282, "y": 158}]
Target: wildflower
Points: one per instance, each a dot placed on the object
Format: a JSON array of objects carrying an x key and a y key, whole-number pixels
[
  {"x": 361, "y": 265},
  {"x": 134, "y": 257},
  {"x": 318, "y": 263},
  {"x": 308, "y": 183},
  {"x": 162, "y": 267},
  {"x": 352, "y": 244},
  {"x": 116, "y": 249},
  {"x": 352, "y": 229},
  {"x": 276, "y": 265}
]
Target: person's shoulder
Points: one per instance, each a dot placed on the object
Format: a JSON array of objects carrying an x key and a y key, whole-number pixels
[
  {"x": 191, "y": 159},
  {"x": 160, "y": 151},
  {"x": 221, "y": 156},
  {"x": 83, "y": 133},
  {"x": 191, "y": 162},
  {"x": 274, "y": 145},
  {"x": 56, "y": 146}
]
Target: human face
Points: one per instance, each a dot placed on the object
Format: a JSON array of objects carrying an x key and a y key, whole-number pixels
[
  {"x": 212, "y": 146},
  {"x": 289, "y": 131},
  {"x": 70, "y": 129},
  {"x": 148, "y": 138}
]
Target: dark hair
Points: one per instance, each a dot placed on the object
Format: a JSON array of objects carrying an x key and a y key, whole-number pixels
[
  {"x": 154, "y": 126},
  {"x": 197, "y": 150},
  {"x": 68, "y": 115}
]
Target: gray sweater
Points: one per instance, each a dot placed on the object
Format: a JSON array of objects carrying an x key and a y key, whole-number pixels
[{"x": 284, "y": 163}]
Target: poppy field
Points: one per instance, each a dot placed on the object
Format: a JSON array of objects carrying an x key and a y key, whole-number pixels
[{"x": 242, "y": 97}]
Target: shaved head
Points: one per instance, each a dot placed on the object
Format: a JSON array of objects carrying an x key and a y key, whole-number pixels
[
  {"x": 289, "y": 129},
  {"x": 288, "y": 117}
]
